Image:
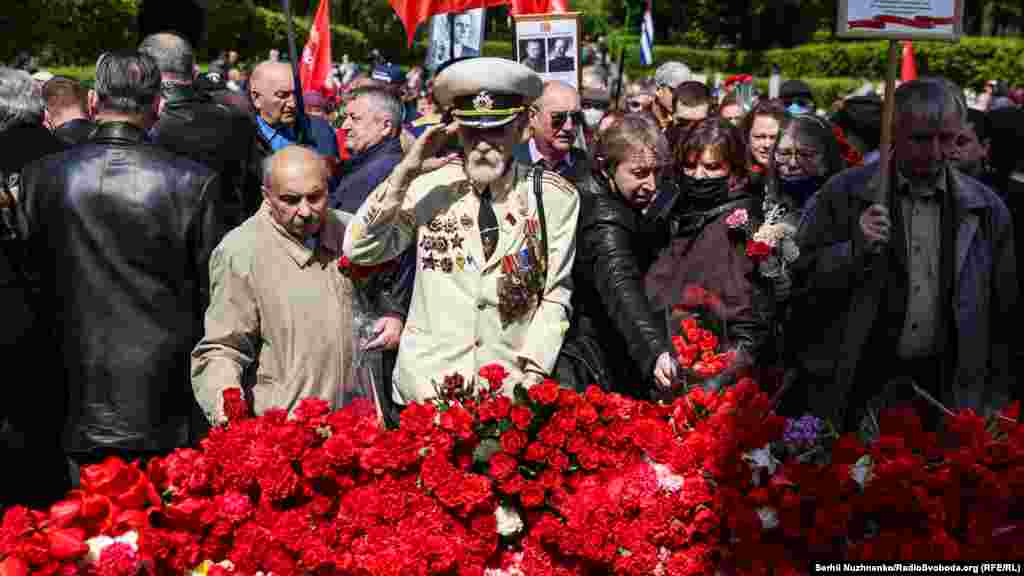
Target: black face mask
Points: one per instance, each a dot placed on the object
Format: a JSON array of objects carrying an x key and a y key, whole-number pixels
[
  {"x": 801, "y": 188},
  {"x": 705, "y": 192}
]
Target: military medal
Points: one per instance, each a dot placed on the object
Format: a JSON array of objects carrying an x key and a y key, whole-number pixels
[
  {"x": 428, "y": 262},
  {"x": 427, "y": 243},
  {"x": 441, "y": 244},
  {"x": 450, "y": 226},
  {"x": 510, "y": 219},
  {"x": 460, "y": 262},
  {"x": 446, "y": 265},
  {"x": 471, "y": 262},
  {"x": 456, "y": 241},
  {"x": 435, "y": 224},
  {"x": 466, "y": 222},
  {"x": 532, "y": 227}
]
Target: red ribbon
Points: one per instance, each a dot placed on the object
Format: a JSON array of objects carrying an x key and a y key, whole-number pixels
[{"x": 921, "y": 22}]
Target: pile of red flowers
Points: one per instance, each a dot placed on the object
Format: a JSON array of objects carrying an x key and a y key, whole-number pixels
[{"x": 550, "y": 482}]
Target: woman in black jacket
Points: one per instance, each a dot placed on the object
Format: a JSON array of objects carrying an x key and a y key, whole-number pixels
[
  {"x": 615, "y": 341},
  {"x": 703, "y": 248}
]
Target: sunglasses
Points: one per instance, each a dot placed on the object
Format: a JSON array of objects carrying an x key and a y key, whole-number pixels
[{"x": 558, "y": 118}]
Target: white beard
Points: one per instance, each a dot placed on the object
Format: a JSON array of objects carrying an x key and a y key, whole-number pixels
[{"x": 484, "y": 169}]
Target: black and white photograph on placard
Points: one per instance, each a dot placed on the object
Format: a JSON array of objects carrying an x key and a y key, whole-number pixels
[
  {"x": 452, "y": 36},
  {"x": 534, "y": 54},
  {"x": 560, "y": 54},
  {"x": 549, "y": 44}
]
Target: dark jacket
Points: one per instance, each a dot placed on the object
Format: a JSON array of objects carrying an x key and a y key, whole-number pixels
[
  {"x": 191, "y": 124},
  {"x": 123, "y": 231},
  {"x": 74, "y": 132},
  {"x": 843, "y": 290},
  {"x": 614, "y": 333},
  {"x": 700, "y": 250},
  {"x": 324, "y": 140},
  {"x": 365, "y": 172},
  {"x": 31, "y": 413}
]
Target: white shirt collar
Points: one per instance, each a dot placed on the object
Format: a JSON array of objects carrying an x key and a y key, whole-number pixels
[{"x": 536, "y": 156}]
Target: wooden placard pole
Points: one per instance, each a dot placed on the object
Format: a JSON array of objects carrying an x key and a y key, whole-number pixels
[{"x": 888, "y": 117}]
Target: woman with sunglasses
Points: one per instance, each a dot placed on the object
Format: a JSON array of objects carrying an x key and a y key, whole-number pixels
[
  {"x": 701, "y": 249},
  {"x": 614, "y": 339}
]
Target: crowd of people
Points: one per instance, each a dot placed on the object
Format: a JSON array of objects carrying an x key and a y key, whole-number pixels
[{"x": 170, "y": 235}]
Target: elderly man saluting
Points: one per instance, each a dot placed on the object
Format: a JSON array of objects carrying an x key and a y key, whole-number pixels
[
  {"x": 495, "y": 248},
  {"x": 279, "y": 323}
]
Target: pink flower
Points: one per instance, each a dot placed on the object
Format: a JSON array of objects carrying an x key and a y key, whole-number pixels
[{"x": 737, "y": 219}]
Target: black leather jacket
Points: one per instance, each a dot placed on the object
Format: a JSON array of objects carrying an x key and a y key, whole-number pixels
[
  {"x": 614, "y": 331},
  {"x": 122, "y": 232},
  {"x": 193, "y": 125}
]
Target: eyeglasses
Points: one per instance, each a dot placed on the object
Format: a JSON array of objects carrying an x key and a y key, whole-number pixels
[
  {"x": 786, "y": 156},
  {"x": 558, "y": 118}
]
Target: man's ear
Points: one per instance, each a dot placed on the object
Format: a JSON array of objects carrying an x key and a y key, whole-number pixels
[{"x": 92, "y": 99}]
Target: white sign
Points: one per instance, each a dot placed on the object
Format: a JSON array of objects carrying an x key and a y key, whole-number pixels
[
  {"x": 901, "y": 19},
  {"x": 550, "y": 45}
]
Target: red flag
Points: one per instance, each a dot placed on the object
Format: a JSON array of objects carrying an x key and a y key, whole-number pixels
[
  {"x": 908, "y": 70},
  {"x": 316, "y": 56},
  {"x": 539, "y": 6},
  {"x": 412, "y": 13}
]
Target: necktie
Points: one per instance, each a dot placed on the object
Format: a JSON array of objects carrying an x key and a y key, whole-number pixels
[{"x": 488, "y": 223}]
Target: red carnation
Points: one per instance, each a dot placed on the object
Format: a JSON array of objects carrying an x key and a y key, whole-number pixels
[
  {"x": 532, "y": 495},
  {"x": 758, "y": 250},
  {"x": 117, "y": 559},
  {"x": 521, "y": 417},
  {"x": 235, "y": 406},
  {"x": 458, "y": 421},
  {"x": 495, "y": 375},
  {"x": 545, "y": 393},
  {"x": 513, "y": 441},
  {"x": 67, "y": 543},
  {"x": 502, "y": 465}
]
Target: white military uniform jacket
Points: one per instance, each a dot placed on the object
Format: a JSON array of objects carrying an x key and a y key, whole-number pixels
[{"x": 466, "y": 311}]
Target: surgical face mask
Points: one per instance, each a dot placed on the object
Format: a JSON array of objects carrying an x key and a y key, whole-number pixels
[
  {"x": 797, "y": 108},
  {"x": 592, "y": 117}
]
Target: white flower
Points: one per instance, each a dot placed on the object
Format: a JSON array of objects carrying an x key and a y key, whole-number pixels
[
  {"x": 509, "y": 522},
  {"x": 98, "y": 543},
  {"x": 772, "y": 234},
  {"x": 667, "y": 479},
  {"x": 762, "y": 458},
  {"x": 861, "y": 470},
  {"x": 789, "y": 250},
  {"x": 769, "y": 517},
  {"x": 513, "y": 570}
]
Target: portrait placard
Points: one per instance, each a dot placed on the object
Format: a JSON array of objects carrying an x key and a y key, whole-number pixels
[
  {"x": 550, "y": 45},
  {"x": 458, "y": 35},
  {"x": 901, "y": 19}
]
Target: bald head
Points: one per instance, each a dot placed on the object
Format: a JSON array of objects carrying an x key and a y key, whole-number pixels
[
  {"x": 295, "y": 187},
  {"x": 273, "y": 92},
  {"x": 172, "y": 53}
]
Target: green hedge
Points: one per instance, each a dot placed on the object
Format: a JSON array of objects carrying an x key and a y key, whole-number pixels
[
  {"x": 75, "y": 32},
  {"x": 255, "y": 33},
  {"x": 969, "y": 62}
]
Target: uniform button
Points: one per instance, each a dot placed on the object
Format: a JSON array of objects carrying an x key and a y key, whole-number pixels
[
  {"x": 917, "y": 289},
  {"x": 913, "y": 327},
  {"x": 917, "y": 248},
  {"x": 481, "y": 305},
  {"x": 478, "y": 343}
]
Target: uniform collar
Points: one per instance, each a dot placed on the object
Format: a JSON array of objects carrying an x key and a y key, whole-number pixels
[{"x": 536, "y": 156}]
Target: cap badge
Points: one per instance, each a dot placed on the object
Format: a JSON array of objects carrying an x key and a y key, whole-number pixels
[{"x": 483, "y": 101}]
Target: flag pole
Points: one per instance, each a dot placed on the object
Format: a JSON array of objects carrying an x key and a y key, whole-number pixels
[{"x": 300, "y": 108}]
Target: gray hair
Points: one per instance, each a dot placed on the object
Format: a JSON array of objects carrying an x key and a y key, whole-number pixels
[
  {"x": 671, "y": 74},
  {"x": 932, "y": 98},
  {"x": 20, "y": 102},
  {"x": 172, "y": 53},
  {"x": 126, "y": 82},
  {"x": 382, "y": 101}
]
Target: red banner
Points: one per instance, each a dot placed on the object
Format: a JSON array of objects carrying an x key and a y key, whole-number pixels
[
  {"x": 539, "y": 6},
  {"x": 316, "y": 56},
  {"x": 412, "y": 13}
]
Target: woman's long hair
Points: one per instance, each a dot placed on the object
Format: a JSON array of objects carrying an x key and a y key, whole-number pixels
[{"x": 772, "y": 109}]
